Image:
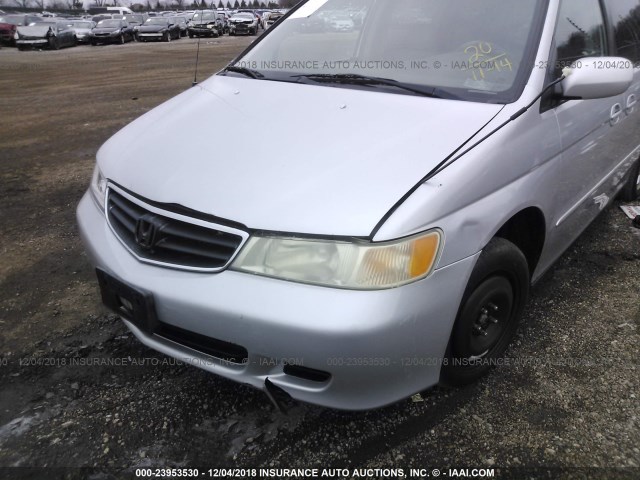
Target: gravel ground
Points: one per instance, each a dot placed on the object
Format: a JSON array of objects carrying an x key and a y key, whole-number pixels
[{"x": 564, "y": 405}]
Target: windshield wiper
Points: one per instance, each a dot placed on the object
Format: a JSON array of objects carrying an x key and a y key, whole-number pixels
[
  {"x": 244, "y": 71},
  {"x": 356, "y": 79}
]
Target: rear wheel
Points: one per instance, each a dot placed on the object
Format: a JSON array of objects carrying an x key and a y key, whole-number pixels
[
  {"x": 489, "y": 313},
  {"x": 631, "y": 190}
]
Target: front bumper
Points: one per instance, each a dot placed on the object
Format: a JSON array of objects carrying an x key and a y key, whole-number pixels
[
  {"x": 32, "y": 43},
  {"x": 242, "y": 29},
  {"x": 111, "y": 38},
  {"x": 203, "y": 31},
  {"x": 378, "y": 346},
  {"x": 151, "y": 36}
]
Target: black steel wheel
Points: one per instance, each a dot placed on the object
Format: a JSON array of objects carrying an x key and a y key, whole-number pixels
[
  {"x": 631, "y": 190},
  {"x": 489, "y": 313}
]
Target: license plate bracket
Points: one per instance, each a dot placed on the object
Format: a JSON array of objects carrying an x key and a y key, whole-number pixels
[{"x": 135, "y": 305}]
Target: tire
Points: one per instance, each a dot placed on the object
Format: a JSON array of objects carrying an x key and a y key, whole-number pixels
[
  {"x": 167, "y": 37},
  {"x": 54, "y": 44},
  {"x": 489, "y": 313},
  {"x": 21, "y": 48},
  {"x": 121, "y": 39},
  {"x": 631, "y": 190},
  {"x": 190, "y": 35}
]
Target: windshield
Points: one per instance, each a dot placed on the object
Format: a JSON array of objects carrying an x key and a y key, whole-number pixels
[
  {"x": 156, "y": 21},
  {"x": 204, "y": 16},
  {"x": 243, "y": 16},
  {"x": 477, "y": 50},
  {"x": 109, "y": 23}
]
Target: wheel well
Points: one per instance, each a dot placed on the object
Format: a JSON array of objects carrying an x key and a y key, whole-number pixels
[{"x": 526, "y": 230}]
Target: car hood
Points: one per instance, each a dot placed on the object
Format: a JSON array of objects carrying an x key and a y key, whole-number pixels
[
  {"x": 288, "y": 157},
  {"x": 34, "y": 31}
]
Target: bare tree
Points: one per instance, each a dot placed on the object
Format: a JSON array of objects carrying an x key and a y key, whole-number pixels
[
  {"x": 288, "y": 3},
  {"x": 22, "y": 3}
]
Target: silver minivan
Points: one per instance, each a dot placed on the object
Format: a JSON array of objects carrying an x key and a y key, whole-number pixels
[{"x": 427, "y": 164}]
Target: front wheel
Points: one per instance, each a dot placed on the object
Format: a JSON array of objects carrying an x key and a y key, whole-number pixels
[
  {"x": 631, "y": 190},
  {"x": 489, "y": 313},
  {"x": 121, "y": 39},
  {"x": 167, "y": 37},
  {"x": 54, "y": 44}
]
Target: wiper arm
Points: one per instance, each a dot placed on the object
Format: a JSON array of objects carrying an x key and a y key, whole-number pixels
[
  {"x": 244, "y": 71},
  {"x": 356, "y": 79}
]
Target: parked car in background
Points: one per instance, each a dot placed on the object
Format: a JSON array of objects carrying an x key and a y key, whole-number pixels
[
  {"x": 51, "y": 34},
  {"x": 205, "y": 24},
  {"x": 243, "y": 24},
  {"x": 103, "y": 16},
  {"x": 111, "y": 31},
  {"x": 273, "y": 18},
  {"x": 83, "y": 29},
  {"x": 159, "y": 29},
  {"x": 181, "y": 22},
  {"x": 9, "y": 24},
  {"x": 7, "y": 33},
  {"x": 254, "y": 13},
  {"x": 224, "y": 18},
  {"x": 136, "y": 19}
]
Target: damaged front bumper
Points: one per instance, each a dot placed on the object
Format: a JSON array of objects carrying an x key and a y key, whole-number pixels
[{"x": 344, "y": 349}]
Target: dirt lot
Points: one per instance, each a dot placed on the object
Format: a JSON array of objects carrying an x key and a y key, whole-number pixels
[{"x": 567, "y": 406}]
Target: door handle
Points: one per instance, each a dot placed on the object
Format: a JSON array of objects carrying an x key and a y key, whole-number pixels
[
  {"x": 631, "y": 103},
  {"x": 616, "y": 111}
]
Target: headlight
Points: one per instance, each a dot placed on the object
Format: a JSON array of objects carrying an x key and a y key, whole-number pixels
[
  {"x": 16, "y": 36},
  {"x": 210, "y": 26},
  {"x": 99, "y": 187},
  {"x": 351, "y": 265}
]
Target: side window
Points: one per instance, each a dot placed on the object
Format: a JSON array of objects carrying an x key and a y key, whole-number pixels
[
  {"x": 625, "y": 17},
  {"x": 579, "y": 33}
]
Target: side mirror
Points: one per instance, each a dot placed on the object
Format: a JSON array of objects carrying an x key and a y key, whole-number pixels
[{"x": 597, "y": 77}]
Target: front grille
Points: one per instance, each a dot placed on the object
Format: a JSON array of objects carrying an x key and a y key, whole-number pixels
[{"x": 160, "y": 238}]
